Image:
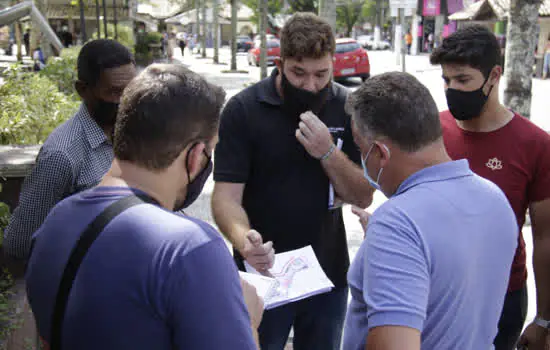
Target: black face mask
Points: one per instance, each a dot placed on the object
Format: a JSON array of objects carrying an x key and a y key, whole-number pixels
[
  {"x": 467, "y": 105},
  {"x": 297, "y": 101},
  {"x": 194, "y": 188},
  {"x": 104, "y": 113}
]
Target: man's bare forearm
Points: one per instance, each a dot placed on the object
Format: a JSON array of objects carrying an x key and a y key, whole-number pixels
[
  {"x": 348, "y": 180},
  {"x": 540, "y": 225},
  {"x": 541, "y": 267},
  {"x": 256, "y": 337},
  {"x": 231, "y": 219}
]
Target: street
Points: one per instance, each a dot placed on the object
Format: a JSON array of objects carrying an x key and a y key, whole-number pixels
[{"x": 381, "y": 61}]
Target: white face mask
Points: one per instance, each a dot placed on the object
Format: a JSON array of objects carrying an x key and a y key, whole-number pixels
[{"x": 373, "y": 183}]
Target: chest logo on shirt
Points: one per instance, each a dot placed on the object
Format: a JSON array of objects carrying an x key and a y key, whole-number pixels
[{"x": 494, "y": 164}]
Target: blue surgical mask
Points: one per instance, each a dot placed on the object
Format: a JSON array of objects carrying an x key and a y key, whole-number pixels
[{"x": 374, "y": 184}]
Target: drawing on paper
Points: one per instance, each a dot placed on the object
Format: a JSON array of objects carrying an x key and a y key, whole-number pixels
[
  {"x": 285, "y": 277},
  {"x": 295, "y": 275}
]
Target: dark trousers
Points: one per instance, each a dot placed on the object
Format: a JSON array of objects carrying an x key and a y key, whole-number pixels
[
  {"x": 511, "y": 320},
  {"x": 318, "y": 322}
]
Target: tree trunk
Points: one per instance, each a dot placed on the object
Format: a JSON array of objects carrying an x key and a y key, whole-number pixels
[
  {"x": 83, "y": 34},
  {"x": 215, "y": 12},
  {"x": 327, "y": 10},
  {"x": 234, "y": 34},
  {"x": 520, "y": 55},
  {"x": 203, "y": 22},
  {"x": 263, "y": 42},
  {"x": 105, "y": 20},
  {"x": 98, "y": 22},
  {"x": 196, "y": 28},
  {"x": 378, "y": 22}
]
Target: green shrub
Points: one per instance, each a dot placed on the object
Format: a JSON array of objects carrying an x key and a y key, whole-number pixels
[
  {"x": 31, "y": 106},
  {"x": 125, "y": 34},
  {"x": 62, "y": 71},
  {"x": 143, "y": 53}
]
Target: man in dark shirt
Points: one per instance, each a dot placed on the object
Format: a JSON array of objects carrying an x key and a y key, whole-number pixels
[{"x": 284, "y": 144}]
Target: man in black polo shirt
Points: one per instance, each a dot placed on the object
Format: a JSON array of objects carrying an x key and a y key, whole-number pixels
[{"x": 279, "y": 149}]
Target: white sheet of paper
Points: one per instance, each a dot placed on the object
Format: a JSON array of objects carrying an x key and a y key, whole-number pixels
[
  {"x": 339, "y": 143},
  {"x": 298, "y": 275},
  {"x": 265, "y": 286}
]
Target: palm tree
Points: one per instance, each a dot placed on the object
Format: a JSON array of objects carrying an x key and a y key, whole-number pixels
[
  {"x": 520, "y": 54},
  {"x": 203, "y": 26},
  {"x": 234, "y": 5},
  {"x": 197, "y": 21}
]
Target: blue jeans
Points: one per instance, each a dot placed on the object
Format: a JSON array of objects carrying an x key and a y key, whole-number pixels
[{"x": 318, "y": 323}]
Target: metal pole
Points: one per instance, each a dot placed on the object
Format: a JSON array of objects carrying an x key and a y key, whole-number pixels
[
  {"x": 97, "y": 19},
  {"x": 115, "y": 19},
  {"x": 83, "y": 35},
  {"x": 105, "y": 19}
]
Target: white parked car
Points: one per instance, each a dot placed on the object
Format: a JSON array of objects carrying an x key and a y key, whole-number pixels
[{"x": 367, "y": 41}]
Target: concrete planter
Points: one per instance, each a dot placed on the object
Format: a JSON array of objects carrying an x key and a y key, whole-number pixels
[{"x": 17, "y": 325}]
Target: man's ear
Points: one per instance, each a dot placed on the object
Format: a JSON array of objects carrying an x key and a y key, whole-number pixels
[
  {"x": 385, "y": 153},
  {"x": 82, "y": 89},
  {"x": 194, "y": 159},
  {"x": 495, "y": 75}
]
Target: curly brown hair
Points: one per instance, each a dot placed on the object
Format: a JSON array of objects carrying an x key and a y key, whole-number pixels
[{"x": 306, "y": 35}]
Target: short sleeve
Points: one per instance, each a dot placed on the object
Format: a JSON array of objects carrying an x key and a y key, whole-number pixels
[
  {"x": 232, "y": 155},
  {"x": 349, "y": 147},
  {"x": 396, "y": 278},
  {"x": 539, "y": 187},
  {"x": 205, "y": 303}
]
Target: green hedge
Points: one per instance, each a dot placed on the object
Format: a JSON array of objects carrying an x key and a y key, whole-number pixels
[{"x": 62, "y": 71}]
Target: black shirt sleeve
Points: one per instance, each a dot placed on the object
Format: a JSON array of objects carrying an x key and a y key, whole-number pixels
[
  {"x": 349, "y": 147},
  {"x": 232, "y": 155}
]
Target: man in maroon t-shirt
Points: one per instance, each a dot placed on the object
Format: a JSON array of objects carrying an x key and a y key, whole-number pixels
[{"x": 509, "y": 150}]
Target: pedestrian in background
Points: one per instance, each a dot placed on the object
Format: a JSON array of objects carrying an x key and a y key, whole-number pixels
[
  {"x": 182, "y": 43},
  {"x": 171, "y": 46},
  {"x": 408, "y": 41},
  {"x": 546, "y": 63},
  {"x": 512, "y": 152}
]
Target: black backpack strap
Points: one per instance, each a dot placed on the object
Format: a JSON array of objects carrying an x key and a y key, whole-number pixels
[{"x": 78, "y": 253}]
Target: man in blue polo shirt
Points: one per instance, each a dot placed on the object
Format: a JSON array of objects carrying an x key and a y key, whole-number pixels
[
  {"x": 433, "y": 270},
  {"x": 152, "y": 279}
]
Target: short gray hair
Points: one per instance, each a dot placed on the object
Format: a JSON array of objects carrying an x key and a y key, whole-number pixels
[{"x": 397, "y": 106}]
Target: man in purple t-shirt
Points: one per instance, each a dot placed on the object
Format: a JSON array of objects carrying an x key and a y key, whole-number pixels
[{"x": 153, "y": 279}]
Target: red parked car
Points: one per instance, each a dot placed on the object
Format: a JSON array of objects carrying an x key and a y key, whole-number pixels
[
  {"x": 350, "y": 60},
  {"x": 273, "y": 52}
]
